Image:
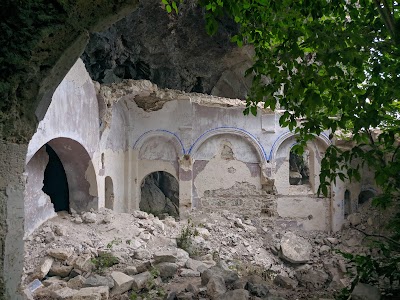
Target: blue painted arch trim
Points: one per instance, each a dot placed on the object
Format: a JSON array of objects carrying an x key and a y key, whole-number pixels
[
  {"x": 158, "y": 132},
  {"x": 229, "y": 130},
  {"x": 289, "y": 134}
]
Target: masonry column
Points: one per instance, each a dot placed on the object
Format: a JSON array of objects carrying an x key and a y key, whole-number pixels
[
  {"x": 12, "y": 188},
  {"x": 185, "y": 185}
]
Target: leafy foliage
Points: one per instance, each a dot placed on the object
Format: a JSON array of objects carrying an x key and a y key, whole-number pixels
[
  {"x": 104, "y": 260},
  {"x": 330, "y": 65}
]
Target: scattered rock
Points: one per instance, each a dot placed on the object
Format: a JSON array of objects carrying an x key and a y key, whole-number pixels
[
  {"x": 166, "y": 256},
  {"x": 364, "y": 291},
  {"x": 43, "y": 269},
  {"x": 97, "y": 280},
  {"x": 354, "y": 219},
  {"x": 89, "y": 217},
  {"x": 295, "y": 249},
  {"x": 216, "y": 287},
  {"x": 285, "y": 282},
  {"x": 122, "y": 283},
  {"x": 239, "y": 294},
  {"x": 140, "y": 280},
  {"x": 167, "y": 269},
  {"x": 61, "y": 253},
  {"x": 58, "y": 269}
]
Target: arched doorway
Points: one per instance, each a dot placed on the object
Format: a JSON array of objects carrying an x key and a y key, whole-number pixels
[
  {"x": 55, "y": 182},
  {"x": 160, "y": 195},
  {"x": 347, "y": 203},
  {"x": 109, "y": 193},
  {"x": 60, "y": 176},
  {"x": 364, "y": 196}
]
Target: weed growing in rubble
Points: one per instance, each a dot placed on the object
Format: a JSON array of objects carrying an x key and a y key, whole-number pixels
[
  {"x": 151, "y": 290},
  {"x": 113, "y": 242},
  {"x": 184, "y": 241},
  {"x": 103, "y": 261}
]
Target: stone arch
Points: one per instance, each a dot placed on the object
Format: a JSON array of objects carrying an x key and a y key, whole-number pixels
[
  {"x": 251, "y": 139},
  {"x": 109, "y": 192},
  {"x": 280, "y": 158},
  {"x": 159, "y": 145},
  {"x": 159, "y": 194},
  {"x": 79, "y": 170},
  {"x": 290, "y": 136}
]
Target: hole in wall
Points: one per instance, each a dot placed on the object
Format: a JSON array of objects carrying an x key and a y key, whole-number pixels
[
  {"x": 347, "y": 203},
  {"x": 55, "y": 182},
  {"x": 364, "y": 196},
  {"x": 160, "y": 195},
  {"x": 299, "y": 171}
]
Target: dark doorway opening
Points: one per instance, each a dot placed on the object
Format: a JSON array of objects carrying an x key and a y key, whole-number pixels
[
  {"x": 160, "y": 195},
  {"x": 55, "y": 182}
]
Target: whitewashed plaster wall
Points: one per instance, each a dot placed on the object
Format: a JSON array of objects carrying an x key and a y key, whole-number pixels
[{"x": 71, "y": 127}]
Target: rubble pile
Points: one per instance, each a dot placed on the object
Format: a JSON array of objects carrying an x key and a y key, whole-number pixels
[{"x": 108, "y": 255}]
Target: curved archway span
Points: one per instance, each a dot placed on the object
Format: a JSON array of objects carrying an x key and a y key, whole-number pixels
[
  {"x": 173, "y": 137},
  {"x": 287, "y": 135},
  {"x": 230, "y": 130}
]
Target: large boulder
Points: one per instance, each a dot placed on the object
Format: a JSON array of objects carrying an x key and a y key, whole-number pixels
[
  {"x": 295, "y": 249},
  {"x": 365, "y": 292}
]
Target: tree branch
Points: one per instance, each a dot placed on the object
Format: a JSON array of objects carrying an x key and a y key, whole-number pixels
[
  {"x": 387, "y": 17},
  {"x": 377, "y": 236}
]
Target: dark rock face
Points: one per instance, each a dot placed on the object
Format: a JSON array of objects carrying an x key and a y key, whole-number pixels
[
  {"x": 172, "y": 51},
  {"x": 160, "y": 195}
]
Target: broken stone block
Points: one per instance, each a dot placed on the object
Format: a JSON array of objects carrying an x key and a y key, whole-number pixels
[
  {"x": 58, "y": 269},
  {"x": 84, "y": 263},
  {"x": 229, "y": 276},
  {"x": 295, "y": 249},
  {"x": 312, "y": 279},
  {"x": 285, "y": 282},
  {"x": 365, "y": 292},
  {"x": 195, "y": 264},
  {"x": 142, "y": 254},
  {"x": 61, "y": 253},
  {"x": 97, "y": 280},
  {"x": 76, "y": 282},
  {"x": 189, "y": 273},
  {"x": 257, "y": 286},
  {"x": 324, "y": 249},
  {"x": 216, "y": 287},
  {"x": 130, "y": 270},
  {"x": 354, "y": 219},
  {"x": 43, "y": 269},
  {"x": 59, "y": 230},
  {"x": 140, "y": 214},
  {"x": 167, "y": 269},
  {"x": 122, "y": 282},
  {"x": 89, "y": 217},
  {"x": 165, "y": 256},
  {"x": 64, "y": 293},
  {"x": 140, "y": 280},
  {"x": 92, "y": 293},
  {"x": 239, "y": 294}
]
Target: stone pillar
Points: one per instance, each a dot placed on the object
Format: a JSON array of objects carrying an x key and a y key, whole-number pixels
[
  {"x": 12, "y": 188},
  {"x": 185, "y": 185}
]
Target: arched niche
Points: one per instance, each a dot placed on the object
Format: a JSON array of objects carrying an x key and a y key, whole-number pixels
[
  {"x": 280, "y": 157},
  {"x": 227, "y": 171},
  {"x": 159, "y": 194},
  {"x": 109, "y": 193},
  {"x": 159, "y": 145}
]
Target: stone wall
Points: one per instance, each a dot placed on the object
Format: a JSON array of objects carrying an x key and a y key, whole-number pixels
[{"x": 12, "y": 189}]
